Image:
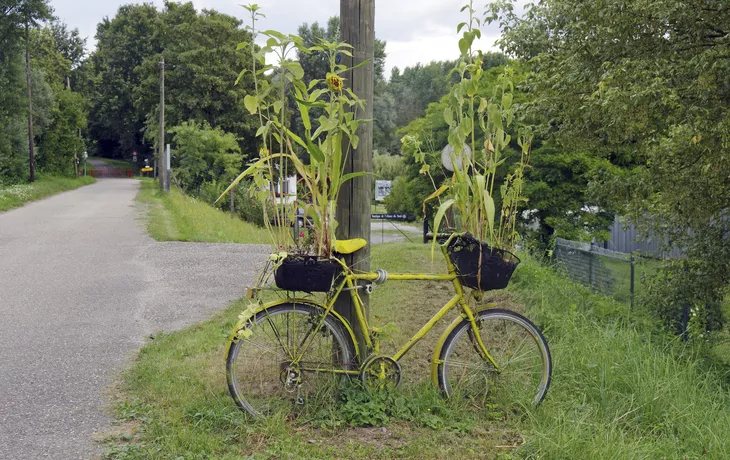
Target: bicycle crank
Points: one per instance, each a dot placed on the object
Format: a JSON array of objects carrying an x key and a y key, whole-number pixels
[{"x": 379, "y": 373}]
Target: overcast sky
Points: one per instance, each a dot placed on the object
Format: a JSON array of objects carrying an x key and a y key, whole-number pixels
[{"x": 415, "y": 30}]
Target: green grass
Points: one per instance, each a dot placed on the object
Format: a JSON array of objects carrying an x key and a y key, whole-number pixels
[
  {"x": 176, "y": 217},
  {"x": 618, "y": 391},
  {"x": 175, "y": 401},
  {"x": 17, "y": 195}
]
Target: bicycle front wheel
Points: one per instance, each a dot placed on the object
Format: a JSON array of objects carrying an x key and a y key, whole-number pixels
[
  {"x": 524, "y": 366},
  {"x": 290, "y": 355}
]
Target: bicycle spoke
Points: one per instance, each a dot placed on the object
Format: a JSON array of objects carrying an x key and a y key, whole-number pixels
[
  {"x": 271, "y": 376},
  {"x": 523, "y": 372}
]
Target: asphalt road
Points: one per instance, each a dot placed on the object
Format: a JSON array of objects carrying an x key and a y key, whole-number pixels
[{"x": 81, "y": 288}]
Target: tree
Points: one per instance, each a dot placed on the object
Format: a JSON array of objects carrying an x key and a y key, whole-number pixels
[
  {"x": 204, "y": 155},
  {"x": 201, "y": 50},
  {"x": 31, "y": 13},
  {"x": 202, "y": 63},
  {"x": 644, "y": 85},
  {"x": 123, "y": 42},
  {"x": 559, "y": 201},
  {"x": 61, "y": 141},
  {"x": 13, "y": 149}
]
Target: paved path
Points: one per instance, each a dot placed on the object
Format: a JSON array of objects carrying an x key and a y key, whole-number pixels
[
  {"x": 386, "y": 231},
  {"x": 81, "y": 287}
]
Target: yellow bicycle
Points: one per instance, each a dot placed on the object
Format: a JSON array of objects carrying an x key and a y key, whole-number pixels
[{"x": 297, "y": 351}]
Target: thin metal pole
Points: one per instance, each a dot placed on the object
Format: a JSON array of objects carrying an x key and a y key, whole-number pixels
[
  {"x": 633, "y": 274},
  {"x": 161, "y": 143}
]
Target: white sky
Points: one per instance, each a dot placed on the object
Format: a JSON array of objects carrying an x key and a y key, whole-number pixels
[{"x": 415, "y": 30}]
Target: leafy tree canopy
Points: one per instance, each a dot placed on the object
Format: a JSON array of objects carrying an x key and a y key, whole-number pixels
[{"x": 644, "y": 84}]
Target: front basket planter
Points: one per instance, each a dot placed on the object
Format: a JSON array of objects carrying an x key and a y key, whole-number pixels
[
  {"x": 480, "y": 266},
  {"x": 306, "y": 273}
]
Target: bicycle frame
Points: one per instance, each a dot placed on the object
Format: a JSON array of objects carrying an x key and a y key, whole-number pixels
[{"x": 349, "y": 282}]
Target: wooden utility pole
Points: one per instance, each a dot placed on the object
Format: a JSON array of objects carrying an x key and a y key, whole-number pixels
[
  {"x": 161, "y": 144},
  {"x": 357, "y": 28},
  {"x": 31, "y": 146}
]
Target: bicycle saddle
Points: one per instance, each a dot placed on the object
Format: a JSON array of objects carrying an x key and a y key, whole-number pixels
[{"x": 349, "y": 246}]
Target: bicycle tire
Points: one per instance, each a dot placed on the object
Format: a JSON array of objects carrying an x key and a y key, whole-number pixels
[
  {"x": 259, "y": 372},
  {"x": 522, "y": 379}
]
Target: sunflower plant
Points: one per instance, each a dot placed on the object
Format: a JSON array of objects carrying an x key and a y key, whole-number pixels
[
  {"x": 471, "y": 189},
  {"x": 327, "y": 140}
]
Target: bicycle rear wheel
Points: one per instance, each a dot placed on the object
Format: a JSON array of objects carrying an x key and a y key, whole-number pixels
[
  {"x": 288, "y": 357},
  {"x": 519, "y": 350}
]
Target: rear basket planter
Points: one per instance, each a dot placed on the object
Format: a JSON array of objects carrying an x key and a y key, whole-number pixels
[
  {"x": 481, "y": 267},
  {"x": 306, "y": 273}
]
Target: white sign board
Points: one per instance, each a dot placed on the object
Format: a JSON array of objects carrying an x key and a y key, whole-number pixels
[{"x": 382, "y": 189}]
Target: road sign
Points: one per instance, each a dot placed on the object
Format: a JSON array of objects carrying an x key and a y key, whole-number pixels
[
  {"x": 404, "y": 217},
  {"x": 146, "y": 169},
  {"x": 382, "y": 189}
]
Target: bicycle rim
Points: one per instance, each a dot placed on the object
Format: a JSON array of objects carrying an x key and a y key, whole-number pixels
[
  {"x": 523, "y": 358},
  {"x": 289, "y": 360}
]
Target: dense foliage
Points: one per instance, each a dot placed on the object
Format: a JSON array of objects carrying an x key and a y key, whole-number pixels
[
  {"x": 37, "y": 56},
  {"x": 643, "y": 85},
  {"x": 201, "y": 58}
]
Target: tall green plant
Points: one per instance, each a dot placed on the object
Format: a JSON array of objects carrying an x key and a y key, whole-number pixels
[
  {"x": 328, "y": 140},
  {"x": 470, "y": 190}
]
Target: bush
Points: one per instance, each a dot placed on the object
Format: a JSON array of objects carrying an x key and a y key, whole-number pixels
[
  {"x": 249, "y": 207},
  {"x": 398, "y": 200},
  {"x": 204, "y": 154}
]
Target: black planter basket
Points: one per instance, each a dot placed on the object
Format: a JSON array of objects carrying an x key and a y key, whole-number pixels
[
  {"x": 479, "y": 266},
  {"x": 307, "y": 274}
]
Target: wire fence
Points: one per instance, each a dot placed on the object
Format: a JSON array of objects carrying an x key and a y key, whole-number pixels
[{"x": 612, "y": 273}]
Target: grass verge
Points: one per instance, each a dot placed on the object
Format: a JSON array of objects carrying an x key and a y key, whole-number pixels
[
  {"x": 176, "y": 401},
  {"x": 619, "y": 390},
  {"x": 176, "y": 217},
  {"x": 17, "y": 195}
]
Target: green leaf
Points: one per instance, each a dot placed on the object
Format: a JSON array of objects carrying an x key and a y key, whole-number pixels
[
  {"x": 366, "y": 61},
  {"x": 506, "y": 100},
  {"x": 464, "y": 46},
  {"x": 448, "y": 116},
  {"x": 240, "y": 75},
  {"x": 352, "y": 175},
  {"x": 314, "y": 151},
  {"x": 295, "y": 138},
  {"x": 295, "y": 68},
  {"x": 277, "y": 106},
  {"x": 439, "y": 217},
  {"x": 251, "y": 103},
  {"x": 249, "y": 171}
]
